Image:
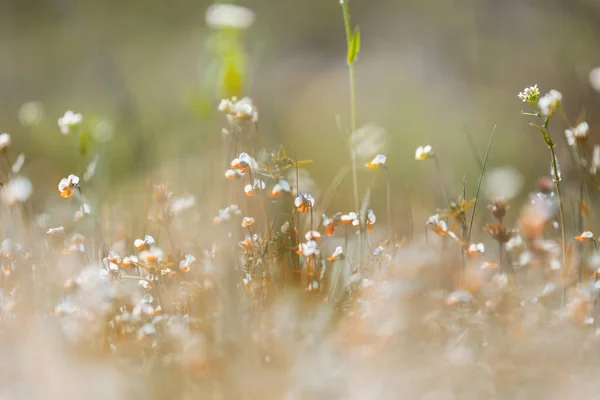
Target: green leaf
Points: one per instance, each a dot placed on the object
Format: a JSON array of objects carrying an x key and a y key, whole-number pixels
[{"x": 353, "y": 46}]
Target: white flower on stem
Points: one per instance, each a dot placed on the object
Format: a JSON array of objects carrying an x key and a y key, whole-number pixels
[
  {"x": 4, "y": 141},
  {"x": 577, "y": 134},
  {"x": 586, "y": 235},
  {"x": 67, "y": 185},
  {"x": 282, "y": 186},
  {"x": 595, "y": 159},
  {"x": 129, "y": 261},
  {"x": 242, "y": 110},
  {"x": 349, "y": 218},
  {"x": 229, "y": 16},
  {"x": 530, "y": 95},
  {"x": 17, "y": 190},
  {"x": 595, "y": 78},
  {"x": 244, "y": 163},
  {"x": 423, "y": 152},
  {"x": 378, "y": 161},
  {"x": 258, "y": 185},
  {"x": 152, "y": 256},
  {"x": 550, "y": 102},
  {"x": 69, "y": 121},
  {"x": 440, "y": 227},
  {"x": 336, "y": 254},
  {"x": 304, "y": 203},
  {"x": 371, "y": 219},
  {"x": 475, "y": 248},
  {"x": 185, "y": 265},
  {"x": 145, "y": 243},
  {"x": 312, "y": 235},
  {"x": 232, "y": 174},
  {"x": 308, "y": 249},
  {"x": 247, "y": 222}
]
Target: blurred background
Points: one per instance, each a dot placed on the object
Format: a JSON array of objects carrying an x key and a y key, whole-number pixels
[{"x": 147, "y": 76}]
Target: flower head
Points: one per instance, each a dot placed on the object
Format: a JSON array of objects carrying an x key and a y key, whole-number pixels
[
  {"x": 304, "y": 202},
  {"x": 423, "y": 152},
  {"x": 440, "y": 227},
  {"x": 378, "y": 161},
  {"x": 152, "y": 256},
  {"x": 242, "y": 110},
  {"x": 69, "y": 121},
  {"x": 577, "y": 134},
  {"x": 229, "y": 16},
  {"x": 550, "y": 102},
  {"x": 371, "y": 219},
  {"x": 336, "y": 254},
  {"x": 282, "y": 186},
  {"x": 143, "y": 244},
  {"x": 258, "y": 185},
  {"x": 530, "y": 95},
  {"x": 247, "y": 222},
  {"x": 244, "y": 163},
  {"x": 308, "y": 249},
  {"x": 350, "y": 219},
  {"x": 595, "y": 78},
  {"x": 186, "y": 264},
  {"x": 4, "y": 141},
  {"x": 67, "y": 185},
  {"x": 232, "y": 174},
  {"x": 475, "y": 248},
  {"x": 17, "y": 190},
  {"x": 584, "y": 236},
  {"x": 312, "y": 235}
]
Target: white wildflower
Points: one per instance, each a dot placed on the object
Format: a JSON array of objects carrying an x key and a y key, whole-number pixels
[
  {"x": 69, "y": 121},
  {"x": 18, "y": 164},
  {"x": 4, "y": 141},
  {"x": 378, "y": 161},
  {"x": 577, "y": 134},
  {"x": 550, "y": 102},
  {"x": 423, "y": 152},
  {"x": 31, "y": 113},
  {"x": 17, "y": 190},
  {"x": 595, "y": 78},
  {"x": 530, "y": 94},
  {"x": 229, "y": 16}
]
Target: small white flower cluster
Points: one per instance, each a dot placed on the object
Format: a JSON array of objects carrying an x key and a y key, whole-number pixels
[
  {"x": 4, "y": 141},
  {"x": 530, "y": 94},
  {"x": 235, "y": 109},
  {"x": 229, "y": 16},
  {"x": 226, "y": 213},
  {"x": 423, "y": 152},
  {"x": 595, "y": 78},
  {"x": 550, "y": 102},
  {"x": 579, "y": 133},
  {"x": 69, "y": 121},
  {"x": 17, "y": 190},
  {"x": 379, "y": 161}
]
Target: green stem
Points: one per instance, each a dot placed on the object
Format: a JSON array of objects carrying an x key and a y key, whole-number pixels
[
  {"x": 346, "y": 14},
  {"x": 562, "y": 214}
]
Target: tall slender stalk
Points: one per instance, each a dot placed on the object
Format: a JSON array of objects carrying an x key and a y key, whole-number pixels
[{"x": 353, "y": 40}]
